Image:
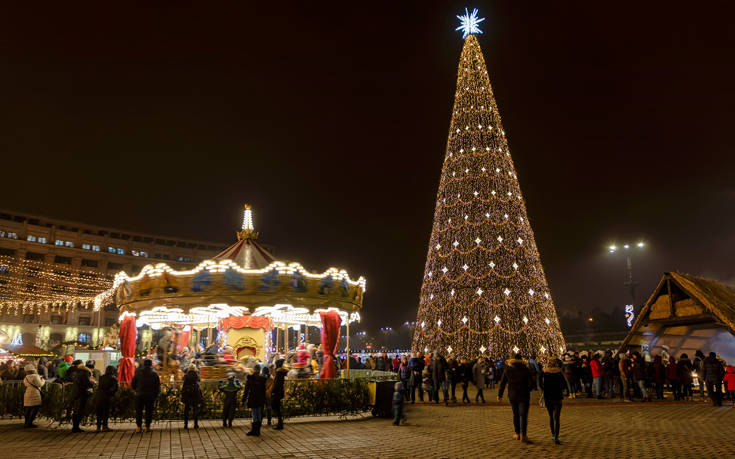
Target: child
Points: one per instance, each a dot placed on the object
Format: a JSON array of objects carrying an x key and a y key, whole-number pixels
[
  {"x": 229, "y": 387},
  {"x": 398, "y": 404},
  {"x": 729, "y": 381}
]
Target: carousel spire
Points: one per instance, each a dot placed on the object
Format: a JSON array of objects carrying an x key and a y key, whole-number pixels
[{"x": 248, "y": 229}]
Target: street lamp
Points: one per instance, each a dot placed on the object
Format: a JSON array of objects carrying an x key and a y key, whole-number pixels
[{"x": 628, "y": 249}]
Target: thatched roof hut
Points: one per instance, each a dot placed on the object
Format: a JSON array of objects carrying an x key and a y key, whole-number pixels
[{"x": 684, "y": 314}]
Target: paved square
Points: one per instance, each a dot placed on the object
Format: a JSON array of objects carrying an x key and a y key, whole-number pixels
[{"x": 589, "y": 430}]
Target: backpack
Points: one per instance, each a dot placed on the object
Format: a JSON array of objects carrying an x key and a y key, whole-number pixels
[{"x": 404, "y": 372}]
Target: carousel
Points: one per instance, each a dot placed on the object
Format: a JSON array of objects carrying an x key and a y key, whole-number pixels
[{"x": 235, "y": 301}]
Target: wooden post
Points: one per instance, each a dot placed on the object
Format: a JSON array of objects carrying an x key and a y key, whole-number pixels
[{"x": 278, "y": 340}]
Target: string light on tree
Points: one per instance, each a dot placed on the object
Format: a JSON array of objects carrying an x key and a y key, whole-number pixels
[{"x": 492, "y": 294}]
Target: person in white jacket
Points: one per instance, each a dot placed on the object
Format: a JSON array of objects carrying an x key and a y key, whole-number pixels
[{"x": 32, "y": 397}]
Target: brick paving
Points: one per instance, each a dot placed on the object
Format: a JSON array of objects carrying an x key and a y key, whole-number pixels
[{"x": 589, "y": 430}]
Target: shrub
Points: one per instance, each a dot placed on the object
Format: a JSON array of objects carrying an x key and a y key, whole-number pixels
[{"x": 313, "y": 397}]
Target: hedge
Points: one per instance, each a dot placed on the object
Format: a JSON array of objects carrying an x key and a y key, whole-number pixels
[{"x": 315, "y": 397}]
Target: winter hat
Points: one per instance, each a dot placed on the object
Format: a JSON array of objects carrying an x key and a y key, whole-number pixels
[
  {"x": 30, "y": 367},
  {"x": 76, "y": 362},
  {"x": 68, "y": 359},
  {"x": 148, "y": 363}
]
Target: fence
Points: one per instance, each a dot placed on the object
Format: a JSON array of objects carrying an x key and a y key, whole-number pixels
[{"x": 312, "y": 397}]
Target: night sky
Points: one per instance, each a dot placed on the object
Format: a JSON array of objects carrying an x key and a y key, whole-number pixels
[{"x": 331, "y": 120}]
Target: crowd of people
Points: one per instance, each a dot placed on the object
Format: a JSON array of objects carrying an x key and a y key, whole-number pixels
[{"x": 430, "y": 377}]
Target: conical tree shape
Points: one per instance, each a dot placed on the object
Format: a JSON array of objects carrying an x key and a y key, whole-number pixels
[{"x": 484, "y": 290}]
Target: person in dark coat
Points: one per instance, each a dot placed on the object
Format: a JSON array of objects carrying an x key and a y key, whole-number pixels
[
  {"x": 106, "y": 390},
  {"x": 453, "y": 376},
  {"x": 465, "y": 376},
  {"x": 685, "y": 369},
  {"x": 712, "y": 374},
  {"x": 82, "y": 382},
  {"x": 438, "y": 369},
  {"x": 147, "y": 386},
  {"x": 254, "y": 397},
  {"x": 519, "y": 379},
  {"x": 638, "y": 370},
  {"x": 42, "y": 369},
  {"x": 417, "y": 367},
  {"x": 278, "y": 392},
  {"x": 552, "y": 383},
  {"x": 191, "y": 395}
]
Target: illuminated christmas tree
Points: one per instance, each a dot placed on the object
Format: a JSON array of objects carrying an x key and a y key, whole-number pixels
[{"x": 484, "y": 289}]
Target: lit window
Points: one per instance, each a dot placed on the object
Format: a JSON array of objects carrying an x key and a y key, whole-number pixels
[
  {"x": 135, "y": 253},
  {"x": 111, "y": 250},
  {"x": 31, "y": 238},
  {"x": 59, "y": 242},
  {"x": 42, "y": 240},
  {"x": 69, "y": 244},
  {"x": 4, "y": 269},
  {"x": 95, "y": 248},
  {"x": 12, "y": 235},
  {"x": 86, "y": 246},
  {"x": 120, "y": 251},
  {"x": 143, "y": 254},
  {"x": 2, "y": 233},
  {"x": 84, "y": 337},
  {"x": 181, "y": 258}
]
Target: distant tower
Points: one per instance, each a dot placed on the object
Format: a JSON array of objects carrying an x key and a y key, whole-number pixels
[{"x": 484, "y": 289}]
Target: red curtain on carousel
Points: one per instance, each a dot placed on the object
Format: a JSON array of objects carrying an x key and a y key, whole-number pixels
[
  {"x": 331, "y": 323},
  {"x": 128, "y": 334},
  {"x": 183, "y": 340}
]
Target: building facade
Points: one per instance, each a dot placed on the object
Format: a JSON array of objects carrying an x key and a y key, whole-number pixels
[{"x": 52, "y": 261}]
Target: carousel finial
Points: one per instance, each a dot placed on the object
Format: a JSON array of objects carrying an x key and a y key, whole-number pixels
[{"x": 248, "y": 229}]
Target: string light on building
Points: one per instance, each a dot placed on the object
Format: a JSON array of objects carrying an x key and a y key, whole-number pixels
[{"x": 493, "y": 292}]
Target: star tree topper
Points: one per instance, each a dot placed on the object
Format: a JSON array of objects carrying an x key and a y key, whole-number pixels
[{"x": 469, "y": 23}]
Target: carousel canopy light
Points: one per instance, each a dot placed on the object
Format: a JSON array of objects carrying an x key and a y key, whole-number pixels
[{"x": 201, "y": 315}]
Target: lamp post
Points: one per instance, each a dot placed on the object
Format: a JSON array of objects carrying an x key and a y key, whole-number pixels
[{"x": 628, "y": 249}]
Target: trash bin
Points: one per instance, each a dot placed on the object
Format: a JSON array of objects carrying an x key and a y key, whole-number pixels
[{"x": 381, "y": 398}]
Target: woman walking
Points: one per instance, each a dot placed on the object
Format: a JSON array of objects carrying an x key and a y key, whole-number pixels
[
  {"x": 519, "y": 379},
  {"x": 552, "y": 383},
  {"x": 103, "y": 397},
  {"x": 32, "y": 397},
  {"x": 191, "y": 395}
]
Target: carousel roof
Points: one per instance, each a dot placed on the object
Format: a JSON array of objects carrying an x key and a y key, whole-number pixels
[
  {"x": 247, "y": 253},
  {"x": 243, "y": 279}
]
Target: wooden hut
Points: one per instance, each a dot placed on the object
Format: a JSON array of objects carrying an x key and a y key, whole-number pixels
[{"x": 684, "y": 314}]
